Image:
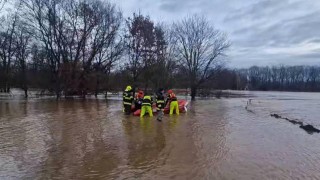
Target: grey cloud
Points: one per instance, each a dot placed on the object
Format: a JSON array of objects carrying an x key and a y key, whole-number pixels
[
  {"x": 254, "y": 26},
  {"x": 174, "y": 6},
  {"x": 292, "y": 31},
  {"x": 169, "y": 7},
  {"x": 257, "y": 10},
  {"x": 272, "y": 24},
  {"x": 184, "y": 6},
  {"x": 313, "y": 55},
  {"x": 315, "y": 40}
]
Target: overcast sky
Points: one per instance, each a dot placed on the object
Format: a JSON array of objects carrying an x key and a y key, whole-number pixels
[{"x": 262, "y": 32}]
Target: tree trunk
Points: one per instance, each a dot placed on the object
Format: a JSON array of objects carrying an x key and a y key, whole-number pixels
[
  {"x": 26, "y": 92},
  {"x": 193, "y": 93},
  {"x": 107, "y": 84},
  {"x": 6, "y": 84},
  {"x": 97, "y": 87},
  {"x": 106, "y": 95},
  {"x": 146, "y": 88},
  {"x": 134, "y": 88},
  {"x": 58, "y": 93},
  {"x": 24, "y": 80}
]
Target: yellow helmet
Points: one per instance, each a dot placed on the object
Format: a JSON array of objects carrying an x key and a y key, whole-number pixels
[
  {"x": 147, "y": 97},
  {"x": 128, "y": 88}
]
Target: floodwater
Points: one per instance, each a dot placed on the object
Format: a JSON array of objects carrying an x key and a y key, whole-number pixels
[{"x": 215, "y": 139}]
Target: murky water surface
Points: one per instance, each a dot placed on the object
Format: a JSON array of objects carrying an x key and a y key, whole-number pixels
[{"x": 216, "y": 139}]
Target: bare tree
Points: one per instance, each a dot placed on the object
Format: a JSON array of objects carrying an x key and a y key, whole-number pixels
[
  {"x": 106, "y": 60},
  {"x": 140, "y": 41},
  {"x": 23, "y": 39},
  {"x": 199, "y": 45},
  {"x": 157, "y": 68},
  {"x": 164, "y": 66},
  {"x": 94, "y": 30},
  {"x": 45, "y": 17},
  {"x": 7, "y": 50},
  {"x": 74, "y": 33},
  {"x": 2, "y": 3}
]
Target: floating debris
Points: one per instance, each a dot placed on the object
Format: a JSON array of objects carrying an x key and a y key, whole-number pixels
[
  {"x": 296, "y": 122},
  {"x": 276, "y": 116},
  {"x": 308, "y": 128}
]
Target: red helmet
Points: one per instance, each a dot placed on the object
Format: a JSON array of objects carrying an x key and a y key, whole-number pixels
[
  {"x": 170, "y": 91},
  {"x": 140, "y": 94}
]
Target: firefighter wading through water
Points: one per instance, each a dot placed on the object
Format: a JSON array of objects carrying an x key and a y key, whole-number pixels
[
  {"x": 172, "y": 99},
  {"x": 146, "y": 106},
  {"x": 127, "y": 100},
  {"x": 160, "y": 103}
]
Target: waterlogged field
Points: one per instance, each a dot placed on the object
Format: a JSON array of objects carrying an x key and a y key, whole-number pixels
[{"x": 233, "y": 138}]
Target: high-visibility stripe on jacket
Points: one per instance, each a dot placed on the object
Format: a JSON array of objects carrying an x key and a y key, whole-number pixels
[
  {"x": 147, "y": 101},
  {"x": 160, "y": 101},
  {"x": 160, "y": 98},
  {"x": 127, "y": 98}
]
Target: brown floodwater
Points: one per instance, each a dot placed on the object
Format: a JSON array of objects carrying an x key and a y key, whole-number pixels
[{"x": 92, "y": 139}]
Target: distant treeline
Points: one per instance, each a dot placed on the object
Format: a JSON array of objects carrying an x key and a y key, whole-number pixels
[
  {"x": 282, "y": 78},
  {"x": 274, "y": 78}
]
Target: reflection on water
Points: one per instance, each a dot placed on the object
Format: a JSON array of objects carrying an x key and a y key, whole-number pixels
[{"x": 92, "y": 139}]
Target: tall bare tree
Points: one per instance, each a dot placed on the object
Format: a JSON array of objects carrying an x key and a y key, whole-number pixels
[
  {"x": 7, "y": 50},
  {"x": 199, "y": 46},
  {"x": 106, "y": 60},
  {"x": 139, "y": 44},
  {"x": 164, "y": 66},
  {"x": 74, "y": 33},
  {"x": 2, "y": 3},
  {"x": 46, "y": 18},
  {"x": 23, "y": 39},
  {"x": 94, "y": 38}
]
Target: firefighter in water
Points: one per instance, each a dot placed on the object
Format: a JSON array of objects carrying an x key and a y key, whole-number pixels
[
  {"x": 138, "y": 100},
  {"x": 146, "y": 106},
  {"x": 127, "y": 100},
  {"x": 172, "y": 99},
  {"x": 160, "y": 102}
]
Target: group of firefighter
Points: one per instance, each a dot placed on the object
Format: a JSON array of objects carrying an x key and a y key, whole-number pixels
[{"x": 144, "y": 102}]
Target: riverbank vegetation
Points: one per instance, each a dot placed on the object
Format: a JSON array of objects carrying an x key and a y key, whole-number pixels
[{"x": 81, "y": 47}]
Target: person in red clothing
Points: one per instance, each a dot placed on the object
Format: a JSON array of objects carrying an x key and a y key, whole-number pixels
[
  {"x": 173, "y": 100},
  {"x": 138, "y": 100}
]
